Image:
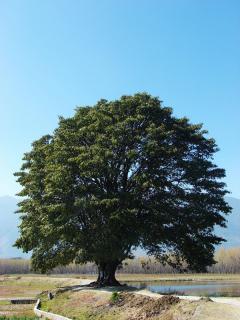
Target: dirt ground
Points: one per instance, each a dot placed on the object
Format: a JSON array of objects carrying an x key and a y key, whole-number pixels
[
  {"x": 81, "y": 303},
  {"x": 95, "y": 304},
  {"x": 24, "y": 286},
  {"x": 8, "y": 309}
]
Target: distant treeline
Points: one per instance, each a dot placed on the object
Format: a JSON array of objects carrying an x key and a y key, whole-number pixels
[{"x": 228, "y": 261}]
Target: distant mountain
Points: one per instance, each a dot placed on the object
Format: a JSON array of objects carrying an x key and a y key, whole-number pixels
[
  {"x": 232, "y": 232},
  {"x": 9, "y": 231},
  {"x": 8, "y": 227}
]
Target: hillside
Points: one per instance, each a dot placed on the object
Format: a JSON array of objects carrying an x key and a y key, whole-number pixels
[
  {"x": 232, "y": 232},
  {"x": 8, "y": 227},
  {"x": 9, "y": 222}
]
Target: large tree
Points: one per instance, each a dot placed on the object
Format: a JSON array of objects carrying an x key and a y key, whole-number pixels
[{"x": 120, "y": 175}]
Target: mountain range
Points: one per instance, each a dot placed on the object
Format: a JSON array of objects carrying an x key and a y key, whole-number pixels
[{"x": 9, "y": 231}]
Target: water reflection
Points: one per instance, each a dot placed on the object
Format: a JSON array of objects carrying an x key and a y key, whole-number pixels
[{"x": 194, "y": 288}]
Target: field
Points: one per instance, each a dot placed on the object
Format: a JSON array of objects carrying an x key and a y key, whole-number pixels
[
  {"x": 81, "y": 303},
  {"x": 175, "y": 277},
  {"x": 25, "y": 286},
  {"x": 228, "y": 262}
]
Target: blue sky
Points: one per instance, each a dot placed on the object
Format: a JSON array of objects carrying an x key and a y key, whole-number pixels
[{"x": 55, "y": 55}]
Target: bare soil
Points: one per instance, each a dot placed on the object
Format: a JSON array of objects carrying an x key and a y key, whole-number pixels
[{"x": 81, "y": 303}]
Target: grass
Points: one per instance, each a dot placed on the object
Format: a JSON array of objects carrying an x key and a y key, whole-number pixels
[
  {"x": 21, "y": 286},
  {"x": 28, "y": 286},
  {"x": 157, "y": 277},
  {"x": 178, "y": 277},
  {"x": 78, "y": 305},
  {"x": 81, "y": 305},
  {"x": 18, "y": 318},
  {"x": 114, "y": 297},
  {"x": 134, "y": 276},
  {"x": 18, "y": 311},
  {"x": 4, "y": 303}
]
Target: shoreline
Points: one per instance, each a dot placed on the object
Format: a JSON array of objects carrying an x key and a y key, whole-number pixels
[{"x": 234, "y": 301}]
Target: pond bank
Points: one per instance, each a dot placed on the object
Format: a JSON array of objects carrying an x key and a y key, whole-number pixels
[
  {"x": 95, "y": 304},
  {"x": 234, "y": 301}
]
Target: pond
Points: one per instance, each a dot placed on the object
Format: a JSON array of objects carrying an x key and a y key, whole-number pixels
[{"x": 193, "y": 288}]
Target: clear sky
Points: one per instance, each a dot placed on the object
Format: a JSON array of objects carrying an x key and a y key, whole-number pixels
[{"x": 55, "y": 55}]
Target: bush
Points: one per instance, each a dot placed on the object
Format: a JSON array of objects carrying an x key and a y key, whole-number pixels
[{"x": 114, "y": 297}]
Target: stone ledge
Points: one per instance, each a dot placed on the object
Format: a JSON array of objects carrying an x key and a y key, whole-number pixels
[
  {"x": 44, "y": 314},
  {"x": 23, "y": 301}
]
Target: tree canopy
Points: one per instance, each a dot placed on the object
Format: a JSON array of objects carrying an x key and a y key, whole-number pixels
[{"x": 120, "y": 175}]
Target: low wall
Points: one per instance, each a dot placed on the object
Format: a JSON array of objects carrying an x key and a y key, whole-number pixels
[
  {"x": 44, "y": 314},
  {"x": 23, "y": 301}
]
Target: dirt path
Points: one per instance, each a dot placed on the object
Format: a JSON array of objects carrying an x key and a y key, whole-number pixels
[
  {"x": 189, "y": 308},
  {"x": 231, "y": 301},
  {"x": 226, "y": 300}
]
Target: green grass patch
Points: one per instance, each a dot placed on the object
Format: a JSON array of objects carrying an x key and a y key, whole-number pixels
[
  {"x": 4, "y": 303},
  {"x": 114, "y": 297},
  {"x": 18, "y": 318},
  {"x": 82, "y": 305}
]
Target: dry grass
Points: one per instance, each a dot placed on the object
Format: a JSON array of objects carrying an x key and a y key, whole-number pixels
[
  {"x": 21, "y": 286},
  {"x": 165, "y": 277},
  {"x": 28, "y": 286},
  {"x": 177, "y": 277},
  {"x": 96, "y": 305},
  {"x": 8, "y": 309},
  {"x": 151, "y": 277},
  {"x": 31, "y": 286},
  {"x": 228, "y": 261},
  {"x": 74, "y": 305}
]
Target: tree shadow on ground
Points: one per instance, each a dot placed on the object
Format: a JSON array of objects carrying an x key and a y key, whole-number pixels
[{"x": 75, "y": 288}]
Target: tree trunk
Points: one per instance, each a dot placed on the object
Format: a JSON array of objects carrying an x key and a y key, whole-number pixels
[{"x": 106, "y": 275}]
